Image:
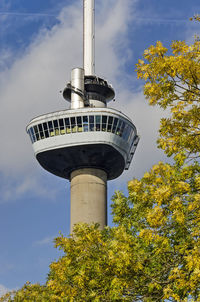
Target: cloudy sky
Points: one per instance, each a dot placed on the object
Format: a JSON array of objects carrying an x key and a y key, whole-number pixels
[{"x": 40, "y": 42}]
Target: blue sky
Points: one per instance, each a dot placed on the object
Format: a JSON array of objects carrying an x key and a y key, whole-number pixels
[{"x": 40, "y": 42}]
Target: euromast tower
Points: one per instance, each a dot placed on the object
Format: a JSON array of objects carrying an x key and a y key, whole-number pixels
[{"x": 89, "y": 143}]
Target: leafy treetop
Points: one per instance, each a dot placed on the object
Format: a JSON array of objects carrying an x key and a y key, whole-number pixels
[{"x": 173, "y": 81}]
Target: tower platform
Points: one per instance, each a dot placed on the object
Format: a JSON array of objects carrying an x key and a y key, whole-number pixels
[{"x": 101, "y": 138}]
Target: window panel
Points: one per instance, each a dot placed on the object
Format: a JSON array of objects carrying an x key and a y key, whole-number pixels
[
  {"x": 55, "y": 123},
  {"x": 79, "y": 120},
  {"x": 36, "y": 133},
  {"x": 62, "y": 127},
  {"x": 51, "y": 129},
  {"x": 115, "y": 125},
  {"x": 91, "y": 122},
  {"x": 104, "y": 122},
  {"x": 33, "y": 135},
  {"x": 61, "y": 123},
  {"x": 73, "y": 124},
  {"x": 129, "y": 133},
  {"x": 98, "y": 122},
  {"x": 85, "y": 123},
  {"x": 40, "y": 128},
  {"x": 56, "y": 128},
  {"x": 130, "y": 138},
  {"x": 110, "y": 122},
  {"x": 126, "y": 132},
  {"x": 122, "y": 129},
  {"x": 67, "y": 125},
  {"x": 41, "y": 131},
  {"x": 46, "y": 131},
  {"x": 79, "y": 123},
  {"x": 45, "y": 126},
  {"x": 73, "y": 121},
  {"x": 118, "y": 127},
  {"x": 50, "y": 125},
  {"x": 29, "y": 132}
]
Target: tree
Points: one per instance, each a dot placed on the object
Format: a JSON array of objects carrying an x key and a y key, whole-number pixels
[
  {"x": 172, "y": 81},
  {"x": 163, "y": 213},
  {"x": 153, "y": 252}
]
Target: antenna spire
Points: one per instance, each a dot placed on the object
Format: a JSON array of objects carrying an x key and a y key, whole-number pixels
[{"x": 88, "y": 37}]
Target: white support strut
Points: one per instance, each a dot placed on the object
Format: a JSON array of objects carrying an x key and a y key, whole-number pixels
[{"x": 88, "y": 38}]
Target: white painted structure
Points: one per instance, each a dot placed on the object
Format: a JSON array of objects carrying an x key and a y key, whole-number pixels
[
  {"x": 88, "y": 37},
  {"x": 77, "y": 83},
  {"x": 87, "y": 126}
]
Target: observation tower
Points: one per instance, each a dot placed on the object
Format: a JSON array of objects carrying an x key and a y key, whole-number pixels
[{"x": 89, "y": 143}]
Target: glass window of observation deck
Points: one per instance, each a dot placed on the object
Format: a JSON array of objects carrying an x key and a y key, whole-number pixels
[
  {"x": 36, "y": 132},
  {"x": 73, "y": 124},
  {"x": 122, "y": 129},
  {"x": 79, "y": 123},
  {"x": 125, "y": 132},
  {"x": 115, "y": 125},
  {"x": 85, "y": 123},
  {"x": 119, "y": 127},
  {"x": 130, "y": 138},
  {"x": 41, "y": 131},
  {"x": 104, "y": 122},
  {"x": 61, "y": 125},
  {"x": 67, "y": 125},
  {"x": 51, "y": 130},
  {"x": 46, "y": 131},
  {"x": 91, "y": 122},
  {"x": 110, "y": 122},
  {"x": 56, "y": 128},
  {"x": 32, "y": 134},
  {"x": 82, "y": 124},
  {"x": 31, "y": 137},
  {"x": 98, "y": 122}
]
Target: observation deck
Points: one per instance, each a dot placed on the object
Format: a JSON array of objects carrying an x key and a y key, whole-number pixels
[{"x": 101, "y": 138}]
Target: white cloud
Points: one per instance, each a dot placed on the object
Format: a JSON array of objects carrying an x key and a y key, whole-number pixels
[
  {"x": 31, "y": 87},
  {"x": 33, "y": 182},
  {"x": 6, "y": 57},
  {"x": 19, "y": 14},
  {"x": 112, "y": 47},
  {"x": 192, "y": 31},
  {"x": 3, "y": 290},
  {"x": 44, "y": 241},
  {"x": 147, "y": 121}
]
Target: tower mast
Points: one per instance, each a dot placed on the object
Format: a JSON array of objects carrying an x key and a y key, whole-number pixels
[{"x": 88, "y": 37}]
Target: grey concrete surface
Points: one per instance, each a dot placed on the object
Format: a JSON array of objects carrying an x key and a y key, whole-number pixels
[{"x": 88, "y": 197}]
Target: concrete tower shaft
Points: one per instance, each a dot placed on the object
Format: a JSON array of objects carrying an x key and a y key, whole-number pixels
[{"x": 89, "y": 196}]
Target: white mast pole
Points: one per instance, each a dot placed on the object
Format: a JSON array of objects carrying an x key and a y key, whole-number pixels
[{"x": 88, "y": 37}]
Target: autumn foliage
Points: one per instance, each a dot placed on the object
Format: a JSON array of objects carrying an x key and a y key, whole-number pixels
[
  {"x": 172, "y": 81},
  {"x": 153, "y": 252}
]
